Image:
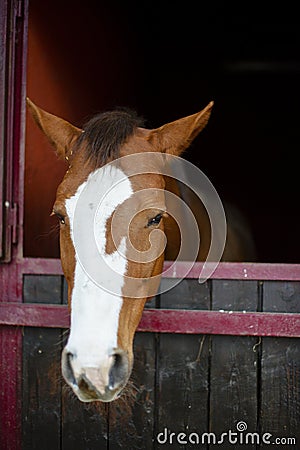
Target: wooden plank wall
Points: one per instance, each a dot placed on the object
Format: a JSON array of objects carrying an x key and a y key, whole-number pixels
[{"x": 181, "y": 383}]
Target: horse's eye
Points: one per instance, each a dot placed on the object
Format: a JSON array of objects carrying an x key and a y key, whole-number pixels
[
  {"x": 155, "y": 220},
  {"x": 60, "y": 217}
]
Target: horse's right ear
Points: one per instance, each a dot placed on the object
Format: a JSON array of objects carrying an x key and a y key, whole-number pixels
[
  {"x": 60, "y": 133},
  {"x": 175, "y": 137}
]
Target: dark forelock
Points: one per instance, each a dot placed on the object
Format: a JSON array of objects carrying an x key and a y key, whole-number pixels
[{"x": 106, "y": 132}]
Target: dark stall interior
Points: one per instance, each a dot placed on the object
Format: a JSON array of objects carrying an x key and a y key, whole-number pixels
[{"x": 86, "y": 57}]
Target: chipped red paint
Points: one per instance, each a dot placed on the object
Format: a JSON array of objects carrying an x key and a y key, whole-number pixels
[
  {"x": 225, "y": 270},
  {"x": 236, "y": 323},
  {"x": 238, "y": 271},
  {"x": 14, "y": 44},
  {"x": 233, "y": 323}
]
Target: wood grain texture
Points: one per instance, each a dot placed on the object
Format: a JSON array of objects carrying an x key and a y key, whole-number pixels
[
  {"x": 233, "y": 375},
  {"x": 280, "y": 368},
  {"x": 132, "y": 419},
  {"x": 41, "y": 393},
  {"x": 190, "y": 383},
  {"x": 183, "y": 367}
]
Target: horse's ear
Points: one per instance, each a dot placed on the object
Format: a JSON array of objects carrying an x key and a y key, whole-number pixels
[
  {"x": 60, "y": 133},
  {"x": 175, "y": 137}
]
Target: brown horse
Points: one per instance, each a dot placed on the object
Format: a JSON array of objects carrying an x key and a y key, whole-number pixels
[{"x": 112, "y": 210}]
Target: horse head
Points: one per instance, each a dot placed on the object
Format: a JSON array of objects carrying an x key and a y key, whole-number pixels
[{"x": 112, "y": 218}]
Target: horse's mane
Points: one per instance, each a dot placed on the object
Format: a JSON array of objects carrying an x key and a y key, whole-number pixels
[{"x": 106, "y": 132}]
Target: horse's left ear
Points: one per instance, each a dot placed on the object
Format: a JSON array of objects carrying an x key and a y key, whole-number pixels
[
  {"x": 175, "y": 137},
  {"x": 60, "y": 133}
]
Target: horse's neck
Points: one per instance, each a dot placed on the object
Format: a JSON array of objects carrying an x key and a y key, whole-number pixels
[
  {"x": 239, "y": 244},
  {"x": 172, "y": 230}
]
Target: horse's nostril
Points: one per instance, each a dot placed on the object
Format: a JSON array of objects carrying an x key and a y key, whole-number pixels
[
  {"x": 69, "y": 355},
  {"x": 119, "y": 369},
  {"x": 67, "y": 367}
]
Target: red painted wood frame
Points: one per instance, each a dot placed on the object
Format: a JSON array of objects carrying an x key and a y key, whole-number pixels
[{"x": 14, "y": 314}]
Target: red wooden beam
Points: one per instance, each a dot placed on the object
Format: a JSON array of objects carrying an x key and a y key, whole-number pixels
[
  {"x": 226, "y": 323},
  {"x": 166, "y": 320},
  {"x": 238, "y": 271},
  {"x": 34, "y": 315},
  {"x": 181, "y": 269}
]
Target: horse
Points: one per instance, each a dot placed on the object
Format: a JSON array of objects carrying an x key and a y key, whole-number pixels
[{"x": 126, "y": 208}]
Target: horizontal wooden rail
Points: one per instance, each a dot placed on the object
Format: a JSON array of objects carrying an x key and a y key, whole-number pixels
[
  {"x": 235, "y": 323},
  {"x": 181, "y": 269}
]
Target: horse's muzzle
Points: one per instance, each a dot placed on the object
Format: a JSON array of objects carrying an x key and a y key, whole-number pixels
[{"x": 103, "y": 383}]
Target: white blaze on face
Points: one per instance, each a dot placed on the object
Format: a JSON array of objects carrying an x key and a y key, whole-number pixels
[{"x": 94, "y": 310}]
